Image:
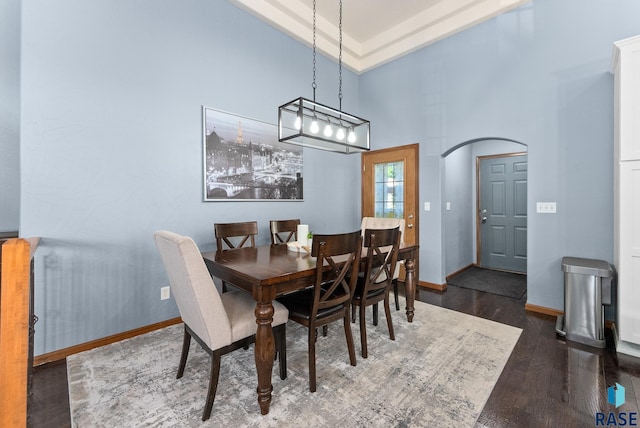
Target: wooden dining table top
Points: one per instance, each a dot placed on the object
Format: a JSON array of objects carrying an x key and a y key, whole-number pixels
[{"x": 268, "y": 265}]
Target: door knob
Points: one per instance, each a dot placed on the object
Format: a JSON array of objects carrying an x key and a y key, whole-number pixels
[
  {"x": 410, "y": 226},
  {"x": 484, "y": 219},
  {"x": 410, "y": 216}
]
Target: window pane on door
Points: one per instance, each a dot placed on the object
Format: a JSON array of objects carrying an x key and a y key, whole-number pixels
[{"x": 389, "y": 190}]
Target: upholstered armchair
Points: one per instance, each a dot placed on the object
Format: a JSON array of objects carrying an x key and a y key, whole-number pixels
[{"x": 220, "y": 323}]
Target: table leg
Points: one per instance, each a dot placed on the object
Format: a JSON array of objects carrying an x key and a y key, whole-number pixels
[
  {"x": 410, "y": 287},
  {"x": 264, "y": 354}
]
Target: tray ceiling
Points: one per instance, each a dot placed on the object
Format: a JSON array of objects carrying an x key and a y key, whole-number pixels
[{"x": 374, "y": 31}]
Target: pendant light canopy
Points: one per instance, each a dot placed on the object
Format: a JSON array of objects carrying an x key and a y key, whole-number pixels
[{"x": 310, "y": 124}]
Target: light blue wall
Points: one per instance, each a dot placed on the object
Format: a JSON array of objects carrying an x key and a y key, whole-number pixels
[
  {"x": 112, "y": 147},
  {"x": 459, "y": 250},
  {"x": 111, "y": 141},
  {"x": 9, "y": 115},
  {"x": 537, "y": 75}
]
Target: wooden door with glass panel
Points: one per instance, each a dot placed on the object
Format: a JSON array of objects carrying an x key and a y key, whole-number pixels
[{"x": 390, "y": 186}]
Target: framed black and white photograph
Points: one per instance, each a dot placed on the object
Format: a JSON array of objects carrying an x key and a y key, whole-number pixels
[{"x": 244, "y": 161}]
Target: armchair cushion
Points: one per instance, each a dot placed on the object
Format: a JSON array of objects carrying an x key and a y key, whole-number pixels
[{"x": 240, "y": 308}]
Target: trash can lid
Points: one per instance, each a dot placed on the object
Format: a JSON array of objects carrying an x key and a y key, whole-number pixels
[{"x": 587, "y": 266}]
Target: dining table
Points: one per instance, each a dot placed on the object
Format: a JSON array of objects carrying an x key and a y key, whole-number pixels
[{"x": 269, "y": 271}]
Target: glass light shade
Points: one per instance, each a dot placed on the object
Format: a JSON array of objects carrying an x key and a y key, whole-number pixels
[
  {"x": 307, "y": 135},
  {"x": 352, "y": 137},
  {"x": 314, "y": 128},
  {"x": 328, "y": 130}
]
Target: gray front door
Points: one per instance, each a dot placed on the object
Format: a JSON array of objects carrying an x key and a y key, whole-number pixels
[{"x": 502, "y": 204}]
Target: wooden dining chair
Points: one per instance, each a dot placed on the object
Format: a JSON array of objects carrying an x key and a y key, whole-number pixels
[
  {"x": 220, "y": 323},
  {"x": 336, "y": 271},
  {"x": 230, "y": 236},
  {"x": 374, "y": 283},
  {"x": 387, "y": 223},
  {"x": 283, "y": 231}
]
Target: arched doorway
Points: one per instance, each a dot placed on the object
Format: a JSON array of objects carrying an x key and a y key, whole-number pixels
[{"x": 460, "y": 219}]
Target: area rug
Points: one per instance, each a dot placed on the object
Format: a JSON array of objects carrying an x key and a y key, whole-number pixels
[
  {"x": 439, "y": 372},
  {"x": 491, "y": 281}
]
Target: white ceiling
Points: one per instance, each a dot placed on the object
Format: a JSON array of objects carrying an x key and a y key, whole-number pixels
[{"x": 374, "y": 31}]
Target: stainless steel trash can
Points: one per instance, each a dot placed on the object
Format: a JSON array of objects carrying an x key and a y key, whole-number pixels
[{"x": 587, "y": 288}]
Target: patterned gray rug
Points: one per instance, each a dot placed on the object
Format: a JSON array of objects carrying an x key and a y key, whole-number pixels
[{"x": 439, "y": 372}]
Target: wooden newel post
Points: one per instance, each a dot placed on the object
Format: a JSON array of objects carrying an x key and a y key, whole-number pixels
[{"x": 15, "y": 320}]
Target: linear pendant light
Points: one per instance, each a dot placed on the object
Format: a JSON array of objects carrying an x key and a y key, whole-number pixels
[{"x": 308, "y": 123}]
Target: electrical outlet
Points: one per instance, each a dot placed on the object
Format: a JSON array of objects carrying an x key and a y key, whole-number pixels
[{"x": 165, "y": 293}]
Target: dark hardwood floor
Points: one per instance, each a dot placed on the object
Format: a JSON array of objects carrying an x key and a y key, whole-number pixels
[
  {"x": 547, "y": 382},
  {"x": 48, "y": 405}
]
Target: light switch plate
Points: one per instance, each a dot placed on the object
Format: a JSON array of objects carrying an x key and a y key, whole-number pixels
[
  {"x": 165, "y": 293},
  {"x": 427, "y": 206},
  {"x": 546, "y": 207}
]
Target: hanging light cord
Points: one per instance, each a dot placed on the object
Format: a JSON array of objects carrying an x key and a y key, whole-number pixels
[
  {"x": 313, "y": 85},
  {"x": 340, "y": 60}
]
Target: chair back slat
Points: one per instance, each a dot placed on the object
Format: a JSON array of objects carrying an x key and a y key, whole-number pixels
[
  {"x": 230, "y": 236},
  {"x": 337, "y": 264},
  {"x": 383, "y": 223},
  {"x": 283, "y": 231},
  {"x": 382, "y": 256}
]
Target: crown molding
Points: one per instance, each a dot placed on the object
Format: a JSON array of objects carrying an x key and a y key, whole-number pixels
[{"x": 438, "y": 20}]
